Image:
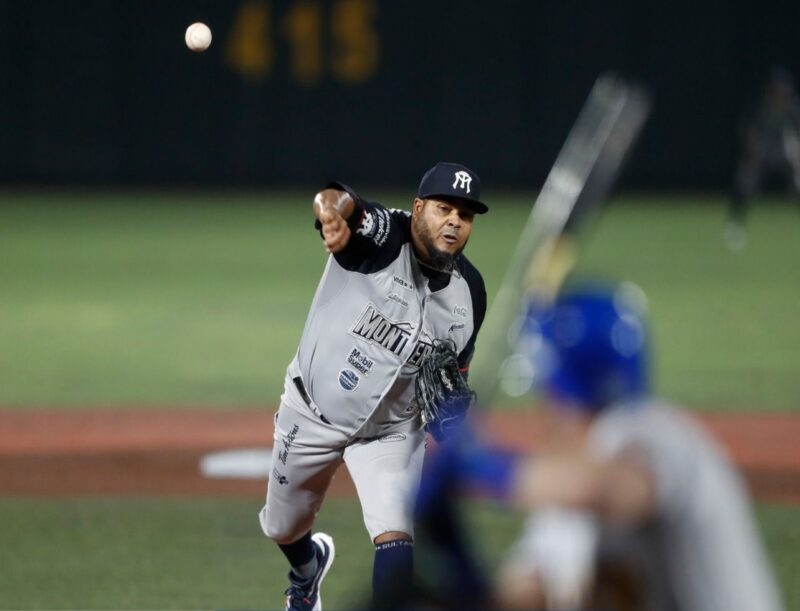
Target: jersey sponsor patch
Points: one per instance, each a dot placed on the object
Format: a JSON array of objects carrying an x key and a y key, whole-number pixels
[
  {"x": 402, "y": 282},
  {"x": 360, "y": 361},
  {"x": 367, "y": 225},
  {"x": 375, "y": 225},
  {"x": 348, "y": 379},
  {"x": 461, "y": 311},
  {"x": 373, "y": 326},
  {"x": 397, "y": 299},
  {"x": 392, "y": 437}
]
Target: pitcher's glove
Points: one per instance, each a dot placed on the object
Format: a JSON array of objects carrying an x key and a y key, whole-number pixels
[{"x": 442, "y": 394}]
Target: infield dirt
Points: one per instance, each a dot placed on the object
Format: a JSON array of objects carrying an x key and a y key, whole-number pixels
[{"x": 157, "y": 452}]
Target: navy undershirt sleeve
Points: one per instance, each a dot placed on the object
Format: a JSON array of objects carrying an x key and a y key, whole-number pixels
[
  {"x": 377, "y": 235},
  {"x": 477, "y": 291}
]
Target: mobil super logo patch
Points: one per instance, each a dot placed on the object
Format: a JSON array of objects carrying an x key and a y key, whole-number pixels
[{"x": 348, "y": 379}]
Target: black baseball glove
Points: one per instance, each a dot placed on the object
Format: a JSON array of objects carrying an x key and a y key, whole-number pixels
[{"x": 442, "y": 394}]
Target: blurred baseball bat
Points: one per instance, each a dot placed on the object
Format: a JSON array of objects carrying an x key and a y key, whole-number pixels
[{"x": 583, "y": 173}]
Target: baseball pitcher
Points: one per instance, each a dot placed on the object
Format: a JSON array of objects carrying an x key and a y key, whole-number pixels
[{"x": 397, "y": 297}]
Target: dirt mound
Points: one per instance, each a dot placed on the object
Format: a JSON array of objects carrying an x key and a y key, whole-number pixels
[{"x": 147, "y": 452}]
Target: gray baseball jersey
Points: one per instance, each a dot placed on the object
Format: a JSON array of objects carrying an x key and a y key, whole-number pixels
[
  {"x": 703, "y": 538},
  {"x": 374, "y": 317},
  {"x": 348, "y": 394}
]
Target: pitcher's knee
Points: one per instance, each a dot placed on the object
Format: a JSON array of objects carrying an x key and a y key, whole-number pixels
[{"x": 284, "y": 529}]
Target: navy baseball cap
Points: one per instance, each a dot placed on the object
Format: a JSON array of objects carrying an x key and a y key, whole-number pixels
[{"x": 453, "y": 181}]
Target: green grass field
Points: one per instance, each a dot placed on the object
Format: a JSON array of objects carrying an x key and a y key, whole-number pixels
[
  {"x": 114, "y": 554},
  {"x": 158, "y": 300},
  {"x": 190, "y": 300}
]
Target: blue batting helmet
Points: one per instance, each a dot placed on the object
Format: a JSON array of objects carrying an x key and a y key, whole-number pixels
[{"x": 589, "y": 347}]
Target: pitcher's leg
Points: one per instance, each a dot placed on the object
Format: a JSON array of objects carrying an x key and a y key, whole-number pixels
[
  {"x": 305, "y": 455},
  {"x": 386, "y": 472}
]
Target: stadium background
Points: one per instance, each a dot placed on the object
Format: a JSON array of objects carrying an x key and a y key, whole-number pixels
[{"x": 156, "y": 254}]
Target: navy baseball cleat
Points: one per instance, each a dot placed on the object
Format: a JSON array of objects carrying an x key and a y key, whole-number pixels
[{"x": 304, "y": 595}]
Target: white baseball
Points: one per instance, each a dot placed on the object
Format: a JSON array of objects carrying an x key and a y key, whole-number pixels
[{"x": 198, "y": 37}]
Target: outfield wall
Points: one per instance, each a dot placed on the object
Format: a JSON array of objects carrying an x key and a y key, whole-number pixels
[{"x": 296, "y": 91}]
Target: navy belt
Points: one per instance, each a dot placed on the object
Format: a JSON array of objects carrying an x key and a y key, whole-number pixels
[{"x": 298, "y": 383}]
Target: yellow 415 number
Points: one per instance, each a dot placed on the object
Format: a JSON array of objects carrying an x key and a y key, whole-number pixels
[{"x": 306, "y": 27}]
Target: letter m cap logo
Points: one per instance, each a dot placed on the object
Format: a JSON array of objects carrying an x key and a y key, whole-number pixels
[{"x": 462, "y": 180}]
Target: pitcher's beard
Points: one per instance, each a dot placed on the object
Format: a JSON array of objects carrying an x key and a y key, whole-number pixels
[{"x": 440, "y": 259}]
